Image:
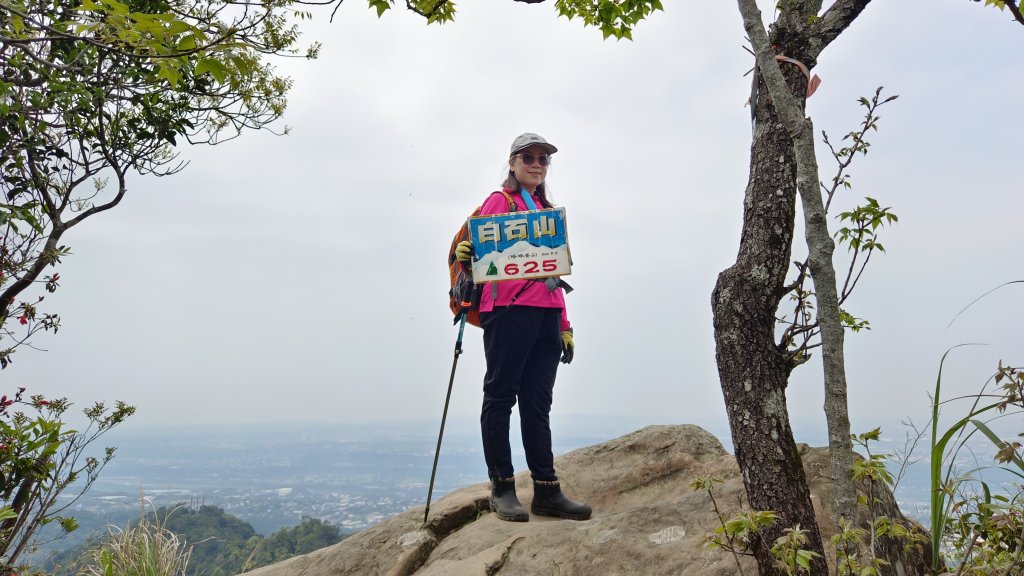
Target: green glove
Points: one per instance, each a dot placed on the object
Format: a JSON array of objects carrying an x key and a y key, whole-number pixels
[
  {"x": 568, "y": 347},
  {"x": 464, "y": 251}
]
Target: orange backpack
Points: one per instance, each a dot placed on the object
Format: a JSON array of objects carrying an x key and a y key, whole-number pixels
[{"x": 464, "y": 294}]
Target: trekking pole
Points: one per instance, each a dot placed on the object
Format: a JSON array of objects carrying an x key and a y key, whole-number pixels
[{"x": 447, "y": 398}]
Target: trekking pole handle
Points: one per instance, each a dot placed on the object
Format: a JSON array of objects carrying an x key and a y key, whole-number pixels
[{"x": 464, "y": 311}]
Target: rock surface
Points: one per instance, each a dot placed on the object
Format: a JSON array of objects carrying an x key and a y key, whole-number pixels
[{"x": 647, "y": 520}]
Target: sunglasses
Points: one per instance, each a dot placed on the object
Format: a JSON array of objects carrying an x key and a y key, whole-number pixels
[{"x": 528, "y": 158}]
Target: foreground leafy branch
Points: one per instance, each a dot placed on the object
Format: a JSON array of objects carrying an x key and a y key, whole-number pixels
[
  {"x": 95, "y": 91},
  {"x": 40, "y": 459},
  {"x": 982, "y": 530}
]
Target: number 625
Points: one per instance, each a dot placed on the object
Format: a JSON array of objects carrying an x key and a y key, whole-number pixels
[{"x": 530, "y": 267}]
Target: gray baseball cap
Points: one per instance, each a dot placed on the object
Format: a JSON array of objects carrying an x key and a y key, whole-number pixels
[{"x": 528, "y": 139}]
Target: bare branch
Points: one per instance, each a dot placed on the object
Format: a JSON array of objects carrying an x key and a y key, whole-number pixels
[
  {"x": 833, "y": 22},
  {"x": 845, "y": 293}
]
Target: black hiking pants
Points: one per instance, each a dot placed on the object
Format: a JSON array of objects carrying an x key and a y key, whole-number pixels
[{"x": 522, "y": 345}]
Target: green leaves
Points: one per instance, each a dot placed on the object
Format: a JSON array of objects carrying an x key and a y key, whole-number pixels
[
  {"x": 864, "y": 222},
  {"x": 789, "y": 553},
  {"x": 187, "y": 43},
  {"x": 11, "y": 214},
  {"x": 873, "y": 435},
  {"x": 873, "y": 468},
  {"x": 67, "y": 524},
  {"x": 40, "y": 456},
  {"x": 703, "y": 482},
  {"x": 216, "y": 69},
  {"x": 435, "y": 11},
  {"x": 973, "y": 515},
  {"x": 381, "y": 6},
  {"x": 852, "y": 322},
  {"x": 743, "y": 525},
  {"x": 615, "y": 18}
]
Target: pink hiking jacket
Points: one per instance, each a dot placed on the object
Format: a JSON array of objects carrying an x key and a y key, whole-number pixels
[{"x": 536, "y": 294}]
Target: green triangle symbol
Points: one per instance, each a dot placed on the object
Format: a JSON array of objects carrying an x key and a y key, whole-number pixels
[{"x": 492, "y": 270}]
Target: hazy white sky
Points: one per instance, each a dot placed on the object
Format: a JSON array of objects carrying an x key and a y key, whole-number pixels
[{"x": 302, "y": 278}]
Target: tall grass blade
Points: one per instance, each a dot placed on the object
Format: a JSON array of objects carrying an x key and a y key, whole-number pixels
[
  {"x": 998, "y": 442},
  {"x": 973, "y": 302}
]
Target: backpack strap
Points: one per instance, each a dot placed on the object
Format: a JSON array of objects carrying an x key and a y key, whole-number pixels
[{"x": 512, "y": 206}]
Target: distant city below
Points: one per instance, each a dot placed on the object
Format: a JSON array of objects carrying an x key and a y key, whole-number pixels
[{"x": 351, "y": 475}]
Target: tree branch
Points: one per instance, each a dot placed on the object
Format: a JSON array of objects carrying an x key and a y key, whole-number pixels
[
  {"x": 846, "y": 293},
  {"x": 437, "y": 6},
  {"x": 119, "y": 171},
  {"x": 831, "y": 24},
  {"x": 786, "y": 105},
  {"x": 30, "y": 276},
  {"x": 1014, "y": 9}
]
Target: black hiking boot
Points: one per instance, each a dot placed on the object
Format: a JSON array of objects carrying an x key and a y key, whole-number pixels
[
  {"x": 548, "y": 500},
  {"x": 505, "y": 503}
]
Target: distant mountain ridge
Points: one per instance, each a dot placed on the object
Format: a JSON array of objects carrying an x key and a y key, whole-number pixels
[{"x": 220, "y": 544}]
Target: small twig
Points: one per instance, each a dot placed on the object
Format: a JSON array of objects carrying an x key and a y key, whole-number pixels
[
  {"x": 909, "y": 445},
  {"x": 437, "y": 6},
  {"x": 846, "y": 293},
  {"x": 732, "y": 548},
  {"x": 967, "y": 554}
]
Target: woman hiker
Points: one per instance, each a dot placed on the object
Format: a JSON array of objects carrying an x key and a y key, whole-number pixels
[{"x": 526, "y": 334}]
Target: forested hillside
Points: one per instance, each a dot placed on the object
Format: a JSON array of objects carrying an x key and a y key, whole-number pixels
[{"x": 222, "y": 545}]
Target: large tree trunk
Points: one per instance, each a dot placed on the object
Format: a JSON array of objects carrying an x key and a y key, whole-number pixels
[{"x": 753, "y": 370}]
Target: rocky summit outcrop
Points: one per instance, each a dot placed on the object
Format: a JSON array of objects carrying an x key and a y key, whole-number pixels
[{"x": 647, "y": 520}]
